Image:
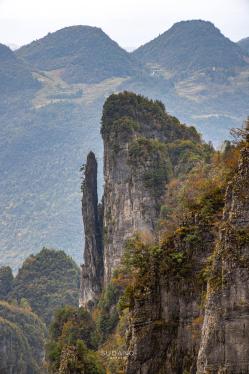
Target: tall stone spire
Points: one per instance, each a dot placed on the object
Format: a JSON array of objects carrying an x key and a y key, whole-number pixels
[{"x": 92, "y": 269}]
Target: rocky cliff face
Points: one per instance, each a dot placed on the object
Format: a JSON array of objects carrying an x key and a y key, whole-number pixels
[
  {"x": 225, "y": 336},
  {"x": 174, "y": 327},
  {"x": 92, "y": 270},
  {"x": 138, "y": 164},
  {"x": 166, "y": 321},
  {"x": 188, "y": 312},
  {"x": 137, "y": 167}
]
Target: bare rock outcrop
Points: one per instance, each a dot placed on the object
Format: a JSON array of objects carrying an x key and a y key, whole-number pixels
[
  {"x": 137, "y": 167},
  {"x": 166, "y": 322},
  {"x": 92, "y": 269}
]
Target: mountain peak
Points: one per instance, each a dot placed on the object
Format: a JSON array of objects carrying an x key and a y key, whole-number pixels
[
  {"x": 192, "y": 45},
  {"x": 193, "y": 24},
  {"x": 83, "y": 53}
]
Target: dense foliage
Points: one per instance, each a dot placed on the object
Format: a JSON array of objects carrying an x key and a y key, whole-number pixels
[
  {"x": 106, "y": 313},
  {"x": 47, "y": 281},
  {"x": 80, "y": 342},
  {"x": 201, "y": 191},
  {"x": 71, "y": 343},
  {"x": 151, "y": 115},
  {"x": 22, "y": 337},
  {"x": 43, "y": 284}
]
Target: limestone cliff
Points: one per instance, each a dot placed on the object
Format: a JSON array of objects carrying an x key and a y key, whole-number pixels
[
  {"x": 188, "y": 293},
  {"x": 92, "y": 270},
  {"x": 142, "y": 152},
  {"x": 225, "y": 336},
  {"x": 166, "y": 320},
  {"x": 137, "y": 167}
]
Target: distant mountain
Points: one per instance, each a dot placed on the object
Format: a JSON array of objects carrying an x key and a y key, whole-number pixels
[
  {"x": 14, "y": 73},
  {"x": 244, "y": 44},
  {"x": 81, "y": 53},
  {"x": 189, "y": 46}
]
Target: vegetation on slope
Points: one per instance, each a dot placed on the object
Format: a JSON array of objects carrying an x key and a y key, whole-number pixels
[
  {"x": 22, "y": 337},
  {"x": 95, "y": 343},
  {"x": 47, "y": 281},
  {"x": 150, "y": 115},
  {"x": 194, "y": 201},
  {"x": 160, "y": 147},
  {"x": 14, "y": 73},
  {"x": 84, "y": 53},
  {"x": 44, "y": 283},
  {"x": 72, "y": 342},
  {"x": 190, "y": 46}
]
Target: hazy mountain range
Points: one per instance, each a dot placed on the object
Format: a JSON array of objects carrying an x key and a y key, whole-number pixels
[{"x": 52, "y": 92}]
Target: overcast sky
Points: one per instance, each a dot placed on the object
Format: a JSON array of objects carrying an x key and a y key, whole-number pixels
[{"x": 129, "y": 22}]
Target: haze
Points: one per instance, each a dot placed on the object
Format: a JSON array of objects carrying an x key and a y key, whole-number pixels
[{"x": 131, "y": 23}]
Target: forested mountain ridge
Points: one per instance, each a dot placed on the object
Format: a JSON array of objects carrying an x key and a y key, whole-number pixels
[
  {"x": 81, "y": 54},
  {"x": 190, "y": 46}
]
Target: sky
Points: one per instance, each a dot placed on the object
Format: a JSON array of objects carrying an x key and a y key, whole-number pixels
[{"x": 129, "y": 22}]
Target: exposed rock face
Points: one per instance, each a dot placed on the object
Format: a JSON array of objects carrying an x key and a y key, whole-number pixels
[
  {"x": 225, "y": 336},
  {"x": 137, "y": 167},
  {"x": 177, "y": 324},
  {"x": 166, "y": 322},
  {"x": 92, "y": 270}
]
